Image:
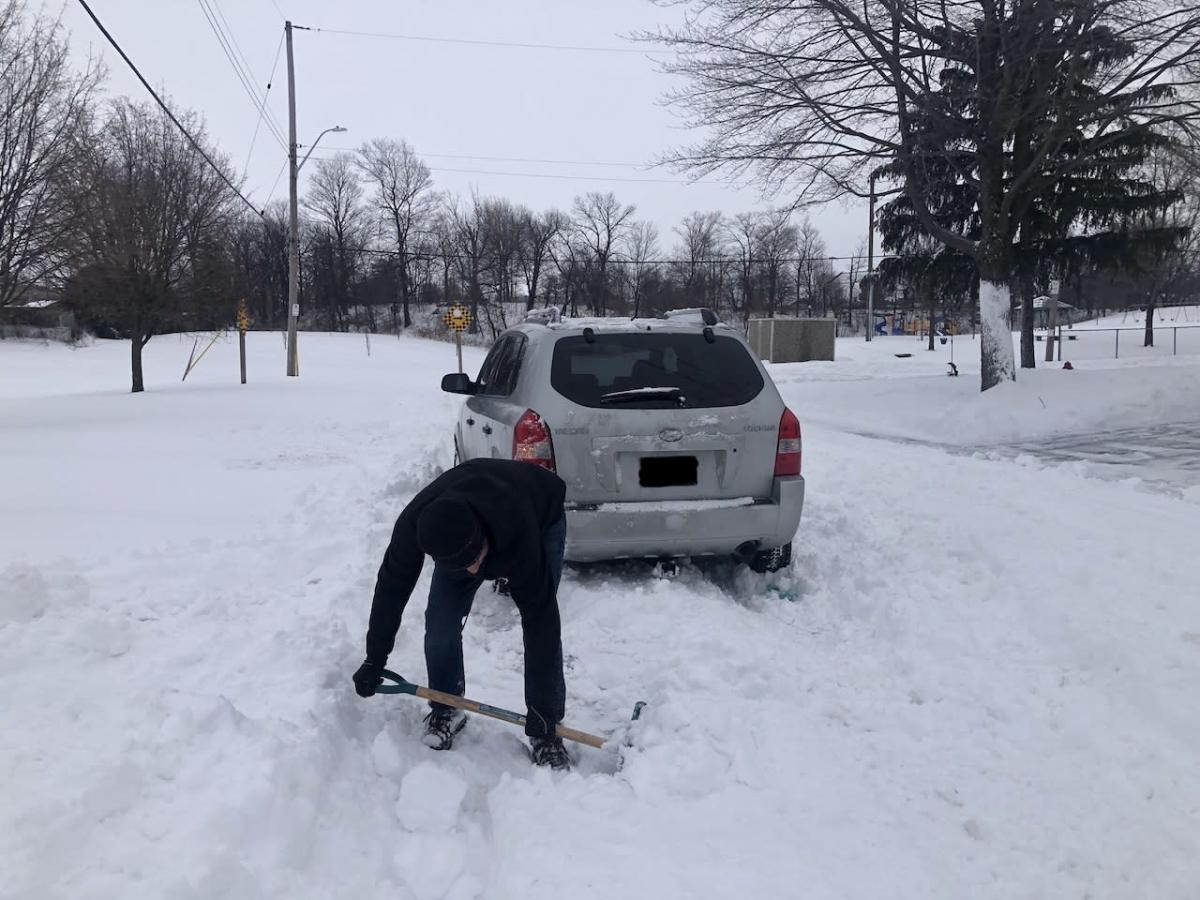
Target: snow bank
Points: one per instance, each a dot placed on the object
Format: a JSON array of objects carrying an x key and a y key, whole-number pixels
[{"x": 870, "y": 391}]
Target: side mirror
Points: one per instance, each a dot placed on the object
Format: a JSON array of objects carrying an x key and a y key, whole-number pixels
[{"x": 458, "y": 383}]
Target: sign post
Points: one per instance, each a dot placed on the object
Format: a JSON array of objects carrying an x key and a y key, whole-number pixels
[
  {"x": 243, "y": 323},
  {"x": 458, "y": 320}
]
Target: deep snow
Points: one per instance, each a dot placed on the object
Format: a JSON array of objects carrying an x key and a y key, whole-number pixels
[
  {"x": 984, "y": 687},
  {"x": 869, "y": 390}
]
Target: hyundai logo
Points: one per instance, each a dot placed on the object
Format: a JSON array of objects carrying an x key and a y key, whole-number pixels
[{"x": 671, "y": 435}]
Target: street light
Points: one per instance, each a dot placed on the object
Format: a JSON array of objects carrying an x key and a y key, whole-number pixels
[
  {"x": 293, "y": 355},
  {"x": 336, "y": 129}
]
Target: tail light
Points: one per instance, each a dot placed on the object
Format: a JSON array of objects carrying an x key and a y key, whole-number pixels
[
  {"x": 531, "y": 441},
  {"x": 787, "y": 453}
]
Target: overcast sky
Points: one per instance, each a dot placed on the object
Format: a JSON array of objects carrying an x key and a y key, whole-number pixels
[{"x": 477, "y": 114}]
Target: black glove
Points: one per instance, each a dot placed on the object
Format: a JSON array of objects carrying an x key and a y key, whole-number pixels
[{"x": 368, "y": 677}]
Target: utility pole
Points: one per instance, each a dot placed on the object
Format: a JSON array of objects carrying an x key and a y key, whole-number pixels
[
  {"x": 293, "y": 356},
  {"x": 870, "y": 261}
]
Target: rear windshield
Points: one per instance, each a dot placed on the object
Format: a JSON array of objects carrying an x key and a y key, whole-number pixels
[{"x": 631, "y": 370}]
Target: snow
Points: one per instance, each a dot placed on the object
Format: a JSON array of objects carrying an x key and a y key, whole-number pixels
[
  {"x": 430, "y": 798},
  {"x": 1165, "y": 316},
  {"x": 994, "y": 305},
  {"x": 870, "y": 391},
  {"x": 642, "y": 391},
  {"x": 983, "y": 688}
]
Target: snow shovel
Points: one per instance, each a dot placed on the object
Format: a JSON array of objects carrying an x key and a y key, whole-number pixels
[{"x": 402, "y": 686}]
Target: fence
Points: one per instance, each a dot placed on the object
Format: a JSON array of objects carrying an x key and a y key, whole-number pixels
[{"x": 1099, "y": 343}]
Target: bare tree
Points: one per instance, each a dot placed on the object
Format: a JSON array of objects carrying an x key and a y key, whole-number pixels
[
  {"x": 744, "y": 232},
  {"x": 403, "y": 194},
  {"x": 470, "y": 250},
  {"x": 505, "y": 241},
  {"x": 259, "y": 247},
  {"x": 640, "y": 248},
  {"x": 443, "y": 242},
  {"x": 45, "y": 113},
  {"x": 699, "y": 234},
  {"x": 777, "y": 240},
  {"x": 574, "y": 263},
  {"x": 335, "y": 199},
  {"x": 540, "y": 233},
  {"x": 1174, "y": 171},
  {"x": 815, "y": 94},
  {"x": 810, "y": 252},
  {"x": 155, "y": 227},
  {"x": 854, "y": 280},
  {"x": 600, "y": 220}
]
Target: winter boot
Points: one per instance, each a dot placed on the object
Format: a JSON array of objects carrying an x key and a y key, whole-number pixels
[
  {"x": 549, "y": 752},
  {"x": 441, "y": 725}
]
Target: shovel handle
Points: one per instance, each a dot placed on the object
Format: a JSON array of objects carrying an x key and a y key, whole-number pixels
[{"x": 401, "y": 686}]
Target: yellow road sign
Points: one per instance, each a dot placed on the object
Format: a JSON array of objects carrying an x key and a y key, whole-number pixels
[{"x": 457, "y": 318}]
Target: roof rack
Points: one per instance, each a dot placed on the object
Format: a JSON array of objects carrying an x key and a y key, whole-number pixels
[
  {"x": 701, "y": 313},
  {"x": 546, "y": 316}
]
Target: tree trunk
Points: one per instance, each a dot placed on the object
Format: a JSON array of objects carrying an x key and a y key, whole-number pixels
[
  {"x": 531, "y": 300},
  {"x": 1149, "y": 341},
  {"x": 404, "y": 289},
  {"x": 476, "y": 299},
  {"x": 995, "y": 334},
  {"x": 135, "y": 345},
  {"x": 1025, "y": 281},
  {"x": 931, "y": 305}
]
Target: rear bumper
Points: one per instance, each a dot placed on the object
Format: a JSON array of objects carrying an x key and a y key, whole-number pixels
[{"x": 639, "y": 530}]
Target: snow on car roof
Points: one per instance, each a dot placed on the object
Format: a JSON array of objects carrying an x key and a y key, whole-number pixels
[{"x": 616, "y": 324}]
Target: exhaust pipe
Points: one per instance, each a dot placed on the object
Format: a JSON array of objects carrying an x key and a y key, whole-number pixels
[{"x": 745, "y": 551}]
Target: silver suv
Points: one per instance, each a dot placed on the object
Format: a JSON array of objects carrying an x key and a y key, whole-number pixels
[{"x": 671, "y": 437}]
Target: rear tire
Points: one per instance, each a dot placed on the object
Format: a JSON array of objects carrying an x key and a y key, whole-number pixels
[{"x": 772, "y": 560}]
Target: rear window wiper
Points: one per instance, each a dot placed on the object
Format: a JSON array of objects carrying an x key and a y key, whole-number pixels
[{"x": 646, "y": 393}]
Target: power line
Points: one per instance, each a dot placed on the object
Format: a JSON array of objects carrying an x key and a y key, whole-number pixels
[
  {"x": 479, "y": 43},
  {"x": 266, "y": 95},
  {"x": 239, "y": 68},
  {"x": 275, "y": 183},
  {"x": 526, "y": 159},
  {"x": 517, "y": 159},
  {"x": 246, "y": 63},
  {"x": 568, "y": 177},
  {"x": 191, "y": 140},
  {"x": 215, "y": 4},
  {"x": 710, "y": 261},
  {"x": 559, "y": 177},
  {"x": 243, "y": 76}
]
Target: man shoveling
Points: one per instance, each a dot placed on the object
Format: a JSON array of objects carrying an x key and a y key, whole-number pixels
[{"x": 484, "y": 519}]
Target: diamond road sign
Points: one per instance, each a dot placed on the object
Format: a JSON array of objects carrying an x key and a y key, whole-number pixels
[{"x": 457, "y": 318}]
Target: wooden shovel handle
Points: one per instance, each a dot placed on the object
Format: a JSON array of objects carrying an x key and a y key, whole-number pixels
[{"x": 504, "y": 715}]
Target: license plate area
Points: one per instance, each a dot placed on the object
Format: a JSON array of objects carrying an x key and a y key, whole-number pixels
[{"x": 668, "y": 471}]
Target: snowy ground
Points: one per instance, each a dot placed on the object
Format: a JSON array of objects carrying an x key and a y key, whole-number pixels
[
  {"x": 1164, "y": 316},
  {"x": 984, "y": 687},
  {"x": 1176, "y": 332}
]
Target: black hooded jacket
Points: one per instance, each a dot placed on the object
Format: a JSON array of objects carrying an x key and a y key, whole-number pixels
[{"x": 515, "y": 502}]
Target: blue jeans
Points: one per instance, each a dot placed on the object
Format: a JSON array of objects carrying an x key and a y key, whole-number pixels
[{"x": 451, "y": 594}]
